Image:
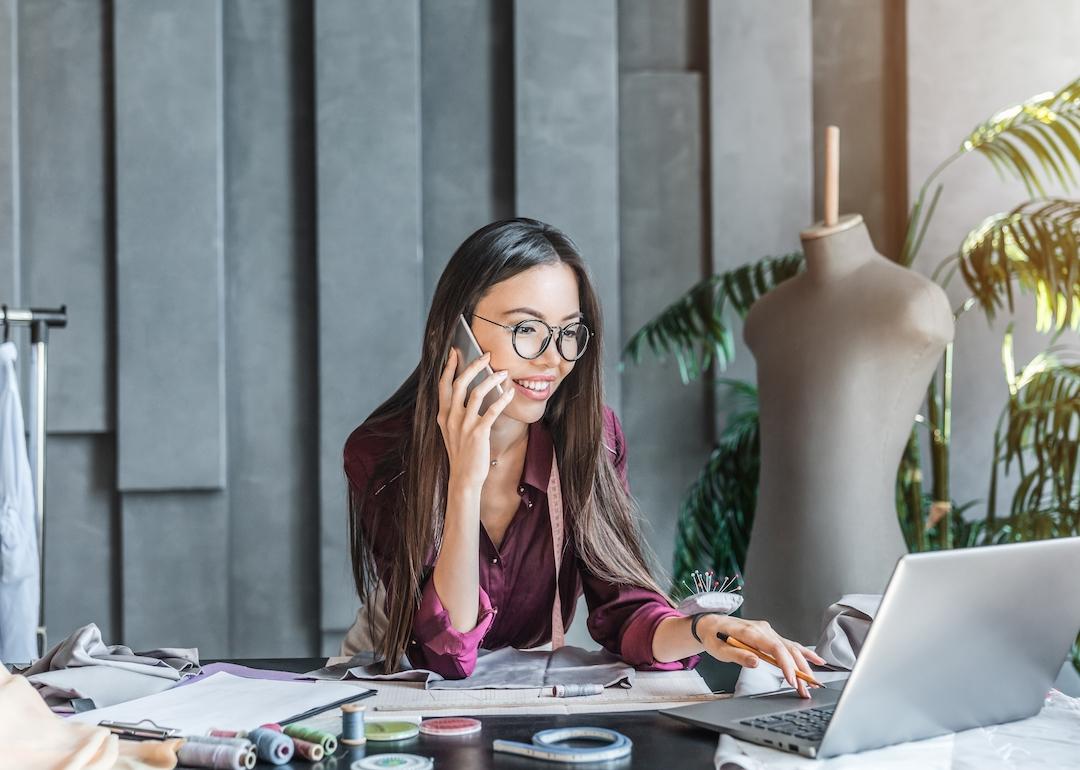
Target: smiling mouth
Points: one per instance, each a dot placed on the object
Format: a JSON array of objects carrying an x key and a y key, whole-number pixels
[{"x": 537, "y": 390}]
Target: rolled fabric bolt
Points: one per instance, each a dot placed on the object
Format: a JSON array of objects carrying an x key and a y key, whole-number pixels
[
  {"x": 326, "y": 740},
  {"x": 574, "y": 690},
  {"x": 272, "y": 747},
  {"x": 217, "y": 756},
  {"x": 313, "y": 752}
]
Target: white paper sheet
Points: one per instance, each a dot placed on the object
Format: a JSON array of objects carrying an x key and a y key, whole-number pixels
[{"x": 225, "y": 701}]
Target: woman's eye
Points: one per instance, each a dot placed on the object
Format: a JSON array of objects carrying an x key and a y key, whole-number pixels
[{"x": 571, "y": 334}]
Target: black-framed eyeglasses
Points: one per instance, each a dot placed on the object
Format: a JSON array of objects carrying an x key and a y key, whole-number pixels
[{"x": 532, "y": 336}]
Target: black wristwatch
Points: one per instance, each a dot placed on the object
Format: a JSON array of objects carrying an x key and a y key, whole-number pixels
[{"x": 694, "y": 622}]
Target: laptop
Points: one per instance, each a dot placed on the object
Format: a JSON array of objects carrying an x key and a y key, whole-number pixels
[{"x": 963, "y": 638}]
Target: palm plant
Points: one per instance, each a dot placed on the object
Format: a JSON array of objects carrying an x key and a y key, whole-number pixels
[{"x": 1033, "y": 249}]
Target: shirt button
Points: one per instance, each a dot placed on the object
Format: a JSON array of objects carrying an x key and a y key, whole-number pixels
[
  {"x": 414, "y": 642},
  {"x": 495, "y": 560},
  {"x": 528, "y": 503},
  {"x": 521, "y": 490}
]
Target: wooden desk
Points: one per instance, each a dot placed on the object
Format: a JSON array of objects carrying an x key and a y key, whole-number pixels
[{"x": 659, "y": 741}]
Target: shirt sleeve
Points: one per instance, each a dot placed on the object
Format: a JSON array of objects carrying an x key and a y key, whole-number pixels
[
  {"x": 434, "y": 643},
  {"x": 623, "y": 619},
  {"x": 437, "y": 646}
]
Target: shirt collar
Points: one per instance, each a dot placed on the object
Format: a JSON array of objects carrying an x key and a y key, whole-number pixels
[{"x": 537, "y": 470}]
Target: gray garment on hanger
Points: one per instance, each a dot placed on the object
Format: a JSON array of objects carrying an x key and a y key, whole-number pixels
[
  {"x": 505, "y": 669},
  {"x": 83, "y": 666}
]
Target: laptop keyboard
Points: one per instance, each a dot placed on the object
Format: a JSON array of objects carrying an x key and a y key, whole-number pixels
[{"x": 809, "y": 724}]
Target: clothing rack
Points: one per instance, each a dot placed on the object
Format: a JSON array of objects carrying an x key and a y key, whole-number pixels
[{"x": 40, "y": 321}]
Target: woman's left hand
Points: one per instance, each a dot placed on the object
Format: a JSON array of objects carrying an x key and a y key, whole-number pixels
[{"x": 790, "y": 655}]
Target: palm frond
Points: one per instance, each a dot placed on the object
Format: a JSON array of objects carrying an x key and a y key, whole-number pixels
[
  {"x": 1039, "y": 434},
  {"x": 717, "y": 513},
  {"x": 1037, "y": 139},
  {"x": 693, "y": 328},
  {"x": 1037, "y": 247}
]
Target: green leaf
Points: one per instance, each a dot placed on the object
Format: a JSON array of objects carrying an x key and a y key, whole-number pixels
[
  {"x": 718, "y": 511},
  {"x": 1035, "y": 246},
  {"x": 693, "y": 328},
  {"x": 1044, "y": 128}
]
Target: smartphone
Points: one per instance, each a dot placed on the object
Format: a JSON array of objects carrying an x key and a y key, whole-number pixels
[{"x": 468, "y": 351}]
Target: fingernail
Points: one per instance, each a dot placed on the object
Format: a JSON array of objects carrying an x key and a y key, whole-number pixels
[{"x": 500, "y": 375}]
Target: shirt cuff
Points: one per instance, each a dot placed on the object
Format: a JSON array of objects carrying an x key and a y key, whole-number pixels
[
  {"x": 637, "y": 641},
  {"x": 433, "y": 629}
]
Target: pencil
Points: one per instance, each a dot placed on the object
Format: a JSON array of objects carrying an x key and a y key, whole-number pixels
[{"x": 765, "y": 657}]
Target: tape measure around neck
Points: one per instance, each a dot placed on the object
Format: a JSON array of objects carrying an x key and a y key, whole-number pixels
[{"x": 555, "y": 514}]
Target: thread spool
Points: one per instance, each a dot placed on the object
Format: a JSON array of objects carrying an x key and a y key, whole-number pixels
[
  {"x": 312, "y": 752},
  {"x": 219, "y": 733},
  {"x": 352, "y": 724},
  {"x": 243, "y": 743},
  {"x": 273, "y": 747},
  {"x": 326, "y": 740},
  {"x": 217, "y": 756}
]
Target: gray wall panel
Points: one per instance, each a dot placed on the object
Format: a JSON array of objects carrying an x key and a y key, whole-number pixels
[
  {"x": 81, "y": 532},
  {"x": 566, "y": 114},
  {"x": 662, "y": 236},
  {"x": 175, "y": 577},
  {"x": 170, "y": 314},
  {"x": 467, "y": 90},
  {"x": 270, "y": 275},
  {"x": 761, "y": 125},
  {"x": 9, "y": 157},
  {"x": 370, "y": 276},
  {"x": 65, "y": 257}
]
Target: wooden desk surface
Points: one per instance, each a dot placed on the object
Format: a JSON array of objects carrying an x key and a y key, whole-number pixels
[{"x": 659, "y": 741}]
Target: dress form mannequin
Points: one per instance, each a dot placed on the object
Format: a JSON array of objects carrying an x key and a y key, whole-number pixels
[{"x": 844, "y": 351}]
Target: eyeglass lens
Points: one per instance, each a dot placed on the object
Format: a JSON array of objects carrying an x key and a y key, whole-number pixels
[{"x": 531, "y": 338}]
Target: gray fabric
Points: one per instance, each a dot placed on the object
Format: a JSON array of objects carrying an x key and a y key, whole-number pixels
[
  {"x": 846, "y": 625},
  {"x": 505, "y": 669},
  {"x": 83, "y": 666}
]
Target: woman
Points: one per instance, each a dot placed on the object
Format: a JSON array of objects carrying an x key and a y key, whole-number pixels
[{"x": 434, "y": 485}]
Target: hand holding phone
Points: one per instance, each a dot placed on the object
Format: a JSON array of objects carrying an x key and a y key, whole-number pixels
[{"x": 464, "y": 390}]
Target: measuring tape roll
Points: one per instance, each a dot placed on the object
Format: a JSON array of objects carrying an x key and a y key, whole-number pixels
[
  {"x": 545, "y": 745},
  {"x": 395, "y": 761}
]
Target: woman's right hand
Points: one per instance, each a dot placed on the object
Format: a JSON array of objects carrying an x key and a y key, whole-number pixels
[{"x": 467, "y": 434}]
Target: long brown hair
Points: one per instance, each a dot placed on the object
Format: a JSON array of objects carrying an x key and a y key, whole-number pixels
[{"x": 602, "y": 517}]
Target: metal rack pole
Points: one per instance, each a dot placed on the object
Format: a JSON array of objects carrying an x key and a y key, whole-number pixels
[{"x": 39, "y": 322}]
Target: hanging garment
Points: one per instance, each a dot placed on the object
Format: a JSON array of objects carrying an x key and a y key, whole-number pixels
[{"x": 19, "y": 569}]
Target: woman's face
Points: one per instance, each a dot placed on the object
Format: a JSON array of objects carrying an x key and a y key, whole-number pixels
[{"x": 549, "y": 293}]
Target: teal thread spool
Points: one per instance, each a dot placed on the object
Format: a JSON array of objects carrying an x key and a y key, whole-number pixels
[
  {"x": 326, "y": 740},
  {"x": 352, "y": 725}
]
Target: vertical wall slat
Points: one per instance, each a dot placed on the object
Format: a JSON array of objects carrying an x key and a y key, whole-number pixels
[
  {"x": 662, "y": 248},
  {"x": 467, "y": 89},
  {"x": 9, "y": 152},
  {"x": 83, "y": 568},
  {"x": 565, "y": 138},
  {"x": 64, "y": 241},
  {"x": 760, "y": 126},
  {"x": 170, "y": 314},
  {"x": 170, "y": 323},
  {"x": 370, "y": 278},
  {"x": 269, "y": 274}
]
